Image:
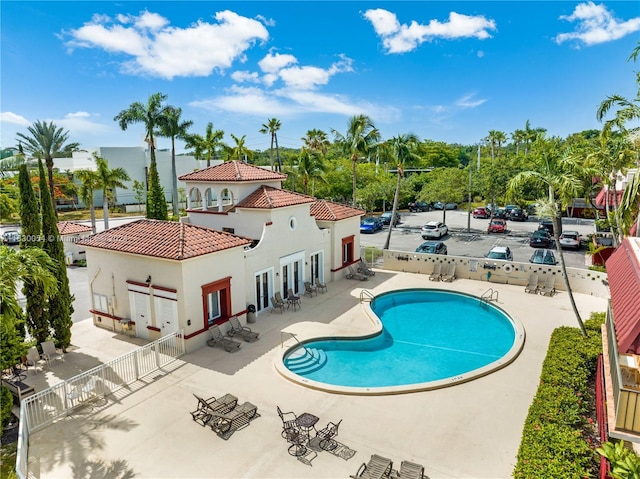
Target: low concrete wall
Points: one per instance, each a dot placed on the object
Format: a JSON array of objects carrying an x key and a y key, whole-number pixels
[{"x": 582, "y": 281}]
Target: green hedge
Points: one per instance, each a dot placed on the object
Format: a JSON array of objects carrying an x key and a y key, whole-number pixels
[{"x": 556, "y": 436}]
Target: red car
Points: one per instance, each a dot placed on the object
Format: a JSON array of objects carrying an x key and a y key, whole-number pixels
[
  {"x": 497, "y": 225},
  {"x": 481, "y": 212}
]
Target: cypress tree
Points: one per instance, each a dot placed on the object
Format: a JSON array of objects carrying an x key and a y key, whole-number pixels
[
  {"x": 31, "y": 237},
  {"x": 59, "y": 305},
  {"x": 156, "y": 203}
]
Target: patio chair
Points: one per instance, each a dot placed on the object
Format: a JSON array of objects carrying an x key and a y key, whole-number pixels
[
  {"x": 436, "y": 274},
  {"x": 410, "y": 470},
  {"x": 34, "y": 359},
  {"x": 310, "y": 289},
  {"x": 363, "y": 268},
  {"x": 206, "y": 407},
  {"x": 327, "y": 434},
  {"x": 376, "y": 468},
  {"x": 275, "y": 304},
  {"x": 352, "y": 274},
  {"x": 217, "y": 339},
  {"x": 549, "y": 289},
  {"x": 50, "y": 352},
  {"x": 244, "y": 331},
  {"x": 321, "y": 286},
  {"x": 278, "y": 297},
  {"x": 288, "y": 422},
  {"x": 532, "y": 286},
  {"x": 450, "y": 275},
  {"x": 293, "y": 299},
  {"x": 238, "y": 418}
]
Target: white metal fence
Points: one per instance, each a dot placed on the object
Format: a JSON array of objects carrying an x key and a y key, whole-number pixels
[{"x": 44, "y": 407}]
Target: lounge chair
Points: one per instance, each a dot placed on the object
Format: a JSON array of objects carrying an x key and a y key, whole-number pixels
[
  {"x": 327, "y": 434},
  {"x": 436, "y": 274},
  {"x": 288, "y": 422},
  {"x": 352, "y": 274},
  {"x": 410, "y": 470},
  {"x": 18, "y": 388},
  {"x": 321, "y": 286},
  {"x": 532, "y": 286},
  {"x": 50, "y": 352},
  {"x": 244, "y": 331},
  {"x": 450, "y": 275},
  {"x": 275, "y": 304},
  {"x": 206, "y": 407},
  {"x": 237, "y": 418},
  {"x": 293, "y": 299},
  {"x": 34, "y": 359},
  {"x": 549, "y": 289},
  {"x": 364, "y": 269},
  {"x": 376, "y": 468},
  {"x": 217, "y": 339},
  {"x": 310, "y": 289}
]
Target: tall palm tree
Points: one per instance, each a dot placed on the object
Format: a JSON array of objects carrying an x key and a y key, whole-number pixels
[
  {"x": 151, "y": 115},
  {"x": 205, "y": 148},
  {"x": 271, "y": 127},
  {"x": 89, "y": 182},
  {"x": 109, "y": 179},
  {"x": 311, "y": 167},
  {"x": 316, "y": 140},
  {"x": 47, "y": 141},
  {"x": 517, "y": 137},
  {"x": 239, "y": 151},
  {"x": 404, "y": 150},
  {"x": 174, "y": 128},
  {"x": 559, "y": 173},
  {"x": 359, "y": 139}
]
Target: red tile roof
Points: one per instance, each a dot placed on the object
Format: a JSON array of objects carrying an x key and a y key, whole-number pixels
[
  {"x": 164, "y": 239},
  {"x": 268, "y": 197},
  {"x": 324, "y": 210},
  {"x": 233, "y": 171},
  {"x": 623, "y": 270},
  {"x": 71, "y": 228},
  {"x": 601, "y": 199}
]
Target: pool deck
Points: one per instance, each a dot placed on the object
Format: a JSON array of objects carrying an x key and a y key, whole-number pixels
[{"x": 471, "y": 430}]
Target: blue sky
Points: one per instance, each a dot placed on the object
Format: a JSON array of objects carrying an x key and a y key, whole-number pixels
[{"x": 446, "y": 71}]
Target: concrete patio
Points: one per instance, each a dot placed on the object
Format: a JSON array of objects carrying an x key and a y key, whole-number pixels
[{"x": 471, "y": 430}]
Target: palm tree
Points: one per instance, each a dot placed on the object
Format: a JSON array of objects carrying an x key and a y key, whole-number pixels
[
  {"x": 316, "y": 140},
  {"x": 89, "y": 182},
  {"x": 174, "y": 128},
  {"x": 360, "y": 138},
  {"x": 272, "y": 126},
  {"x": 109, "y": 179},
  {"x": 205, "y": 148},
  {"x": 152, "y": 115},
  {"x": 310, "y": 167},
  {"x": 47, "y": 141},
  {"x": 240, "y": 151},
  {"x": 559, "y": 173},
  {"x": 517, "y": 137},
  {"x": 404, "y": 147}
]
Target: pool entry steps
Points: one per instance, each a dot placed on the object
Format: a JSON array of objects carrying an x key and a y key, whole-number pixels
[{"x": 306, "y": 360}]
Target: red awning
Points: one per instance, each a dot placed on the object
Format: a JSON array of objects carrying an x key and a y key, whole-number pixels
[
  {"x": 601, "y": 197},
  {"x": 623, "y": 270}
]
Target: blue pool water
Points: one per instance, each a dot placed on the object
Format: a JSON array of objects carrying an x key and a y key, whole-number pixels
[{"x": 428, "y": 335}]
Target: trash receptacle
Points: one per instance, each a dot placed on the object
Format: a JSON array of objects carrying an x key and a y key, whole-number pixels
[{"x": 251, "y": 313}]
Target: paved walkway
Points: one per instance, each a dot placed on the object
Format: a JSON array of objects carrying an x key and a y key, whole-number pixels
[{"x": 470, "y": 430}]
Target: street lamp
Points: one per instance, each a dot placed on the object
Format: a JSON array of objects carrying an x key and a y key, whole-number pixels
[{"x": 469, "y": 197}]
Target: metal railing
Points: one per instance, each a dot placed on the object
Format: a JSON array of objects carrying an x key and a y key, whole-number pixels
[
  {"x": 489, "y": 295},
  {"x": 366, "y": 295},
  {"x": 45, "y": 407}
]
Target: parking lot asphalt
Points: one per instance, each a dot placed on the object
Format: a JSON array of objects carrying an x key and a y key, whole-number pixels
[{"x": 468, "y": 236}]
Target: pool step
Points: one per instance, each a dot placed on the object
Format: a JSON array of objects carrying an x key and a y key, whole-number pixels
[{"x": 306, "y": 360}]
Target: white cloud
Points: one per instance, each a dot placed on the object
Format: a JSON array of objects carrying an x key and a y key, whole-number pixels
[
  {"x": 163, "y": 51},
  {"x": 14, "y": 119},
  {"x": 245, "y": 76},
  {"x": 596, "y": 24},
  {"x": 468, "y": 101},
  {"x": 402, "y": 38},
  {"x": 80, "y": 122},
  {"x": 271, "y": 63}
]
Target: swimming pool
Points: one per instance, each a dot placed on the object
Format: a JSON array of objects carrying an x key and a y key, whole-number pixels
[{"x": 426, "y": 339}]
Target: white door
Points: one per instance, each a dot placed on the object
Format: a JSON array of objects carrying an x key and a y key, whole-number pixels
[
  {"x": 263, "y": 289},
  {"x": 141, "y": 313},
  {"x": 166, "y": 315}
]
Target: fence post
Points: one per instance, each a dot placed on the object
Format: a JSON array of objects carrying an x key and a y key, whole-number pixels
[{"x": 136, "y": 368}]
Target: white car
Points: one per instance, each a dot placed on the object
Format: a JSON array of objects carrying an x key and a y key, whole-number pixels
[
  {"x": 570, "y": 239},
  {"x": 434, "y": 229}
]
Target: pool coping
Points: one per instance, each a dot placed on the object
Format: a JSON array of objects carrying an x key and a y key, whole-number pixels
[{"x": 377, "y": 327}]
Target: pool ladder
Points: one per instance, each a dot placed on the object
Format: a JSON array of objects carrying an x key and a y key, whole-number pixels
[
  {"x": 366, "y": 295},
  {"x": 489, "y": 295},
  {"x": 283, "y": 333}
]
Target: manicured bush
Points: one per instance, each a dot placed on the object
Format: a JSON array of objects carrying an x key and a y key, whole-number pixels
[
  {"x": 557, "y": 436},
  {"x": 6, "y": 403}
]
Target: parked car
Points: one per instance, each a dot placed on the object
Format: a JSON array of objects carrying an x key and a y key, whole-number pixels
[
  {"x": 497, "y": 225},
  {"x": 481, "y": 212},
  {"x": 442, "y": 206},
  {"x": 386, "y": 218},
  {"x": 570, "y": 239},
  {"x": 543, "y": 256},
  {"x": 432, "y": 247},
  {"x": 510, "y": 208},
  {"x": 500, "y": 213},
  {"x": 434, "y": 229},
  {"x": 547, "y": 225},
  {"x": 417, "y": 206},
  {"x": 518, "y": 214},
  {"x": 540, "y": 239},
  {"x": 500, "y": 252},
  {"x": 370, "y": 225},
  {"x": 11, "y": 237}
]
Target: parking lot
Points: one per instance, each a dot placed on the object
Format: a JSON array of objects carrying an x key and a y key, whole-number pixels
[{"x": 476, "y": 242}]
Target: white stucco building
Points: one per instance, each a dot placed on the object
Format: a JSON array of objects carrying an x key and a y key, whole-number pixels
[{"x": 243, "y": 239}]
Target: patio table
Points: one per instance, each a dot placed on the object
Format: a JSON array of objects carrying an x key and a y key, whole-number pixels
[{"x": 306, "y": 422}]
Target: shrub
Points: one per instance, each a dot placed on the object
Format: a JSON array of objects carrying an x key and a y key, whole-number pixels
[{"x": 6, "y": 403}]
